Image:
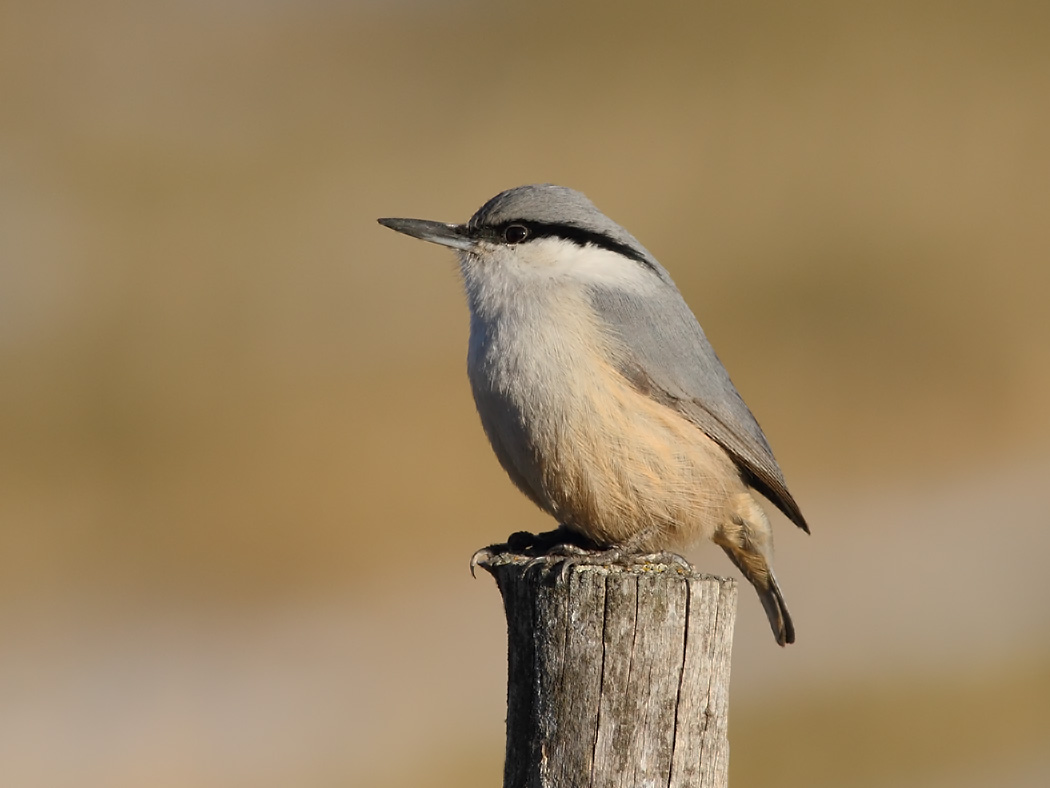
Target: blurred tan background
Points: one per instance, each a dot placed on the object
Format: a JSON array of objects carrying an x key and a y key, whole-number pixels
[{"x": 240, "y": 470}]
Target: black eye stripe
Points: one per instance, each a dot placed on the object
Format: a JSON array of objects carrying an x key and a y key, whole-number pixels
[{"x": 576, "y": 235}]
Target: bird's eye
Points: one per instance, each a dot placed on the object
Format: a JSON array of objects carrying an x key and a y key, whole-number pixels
[{"x": 515, "y": 233}]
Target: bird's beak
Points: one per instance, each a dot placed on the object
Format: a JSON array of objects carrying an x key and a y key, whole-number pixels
[{"x": 453, "y": 235}]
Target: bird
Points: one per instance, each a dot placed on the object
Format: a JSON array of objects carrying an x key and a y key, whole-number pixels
[{"x": 599, "y": 391}]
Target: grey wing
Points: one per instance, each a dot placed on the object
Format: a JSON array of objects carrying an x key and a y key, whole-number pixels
[{"x": 667, "y": 356}]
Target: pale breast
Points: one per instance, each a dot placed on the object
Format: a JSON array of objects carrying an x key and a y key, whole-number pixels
[{"x": 581, "y": 441}]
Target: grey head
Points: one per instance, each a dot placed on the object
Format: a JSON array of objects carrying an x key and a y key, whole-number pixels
[
  {"x": 533, "y": 212},
  {"x": 666, "y": 353}
]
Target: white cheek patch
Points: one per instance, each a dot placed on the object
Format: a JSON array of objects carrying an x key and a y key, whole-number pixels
[{"x": 558, "y": 259}]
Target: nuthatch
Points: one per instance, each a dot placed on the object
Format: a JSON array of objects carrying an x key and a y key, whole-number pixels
[{"x": 599, "y": 391}]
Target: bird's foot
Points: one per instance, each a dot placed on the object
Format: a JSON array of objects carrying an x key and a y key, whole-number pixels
[
  {"x": 535, "y": 546},
  {"x": 664, "y": 557},
  {"x": 564, "y": 549}
]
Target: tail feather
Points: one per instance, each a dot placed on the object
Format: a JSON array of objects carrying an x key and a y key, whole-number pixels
[{"x": 758, "y": 572}]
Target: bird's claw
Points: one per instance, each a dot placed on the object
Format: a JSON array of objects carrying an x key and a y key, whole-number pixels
[
  {"x": 482, "y": 558},
  {"x": 664, "y": 557},
  {"x": 549, "y": 550}
]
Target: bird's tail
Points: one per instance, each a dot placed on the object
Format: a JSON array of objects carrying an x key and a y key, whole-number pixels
[{"x": 756, "y": 569}]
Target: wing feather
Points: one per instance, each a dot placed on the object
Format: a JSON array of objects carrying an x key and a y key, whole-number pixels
[{"x": 666, "y": 355}]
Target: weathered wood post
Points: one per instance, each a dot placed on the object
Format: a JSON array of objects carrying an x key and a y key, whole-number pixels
[{"x": 618, "y": 676}]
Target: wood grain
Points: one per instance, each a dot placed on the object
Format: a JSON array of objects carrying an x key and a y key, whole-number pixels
[{"x": 618, "y": 676}]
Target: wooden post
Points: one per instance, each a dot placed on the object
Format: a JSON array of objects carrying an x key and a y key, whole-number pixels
[{"x": 618, "y": 676}]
